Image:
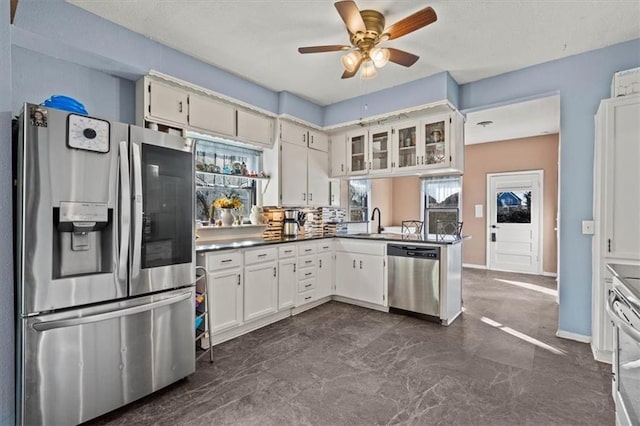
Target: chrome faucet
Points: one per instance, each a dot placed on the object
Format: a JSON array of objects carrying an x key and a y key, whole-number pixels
[{"x": 373, "y": 215}]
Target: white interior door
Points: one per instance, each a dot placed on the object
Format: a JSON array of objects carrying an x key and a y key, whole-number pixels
[{"x": 514, "y": 221}]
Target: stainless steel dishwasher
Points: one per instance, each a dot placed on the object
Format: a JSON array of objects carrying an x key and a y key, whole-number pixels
[{"x": 414, "y": 280}]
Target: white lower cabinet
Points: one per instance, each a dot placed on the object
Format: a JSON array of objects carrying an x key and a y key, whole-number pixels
[
  {"x": 306, "y": 276},
  {"x": 260, "y": 283},
  {"x": 361, "y": 277},
  {"x": 225, "y": 299},
  {"x": 324, "y": 276},
  {"x": 287, "y": 282}
]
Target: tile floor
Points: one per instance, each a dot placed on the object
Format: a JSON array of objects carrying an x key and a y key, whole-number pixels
[{"x": 498, "y": 364}]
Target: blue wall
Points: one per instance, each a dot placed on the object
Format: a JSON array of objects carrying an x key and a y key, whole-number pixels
[
  {"x": 36, "y": 77},
  {"x": 7, "y": 343},
  {"x": 291, "y": 104},
  {"x": 582, "y": 81}
]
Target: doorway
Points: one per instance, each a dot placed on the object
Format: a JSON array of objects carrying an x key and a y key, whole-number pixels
[{"x": 514, "y": 221}]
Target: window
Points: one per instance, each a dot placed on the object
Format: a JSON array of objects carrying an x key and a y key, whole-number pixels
[
  {"x": 222, "y": 170},
  {"x": 359, "y": 190},
  {"x": 442, "y": 204}
]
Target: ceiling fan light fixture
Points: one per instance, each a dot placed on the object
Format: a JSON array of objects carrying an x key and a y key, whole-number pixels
[
  {"x": 379, "y": 56},
  {"x": 368, "y": 70},
  {"x": 351, "y": 60}
]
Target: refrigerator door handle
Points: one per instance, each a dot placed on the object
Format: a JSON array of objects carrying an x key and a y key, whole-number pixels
[
  {"x": 125, "y": 210},
  {"x": 50, "y": 325},
  {"x": 137, "y": 211}
]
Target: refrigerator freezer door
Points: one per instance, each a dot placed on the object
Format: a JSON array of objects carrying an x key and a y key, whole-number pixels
[
  {"x": 68, "y": 215},
  {"x": 80, "y": 364},
  {"x": 163, "y": 244}
]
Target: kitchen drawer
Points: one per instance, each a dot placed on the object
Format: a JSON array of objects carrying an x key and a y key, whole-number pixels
[
  {"x": 287, "y": 250},
  {"x": 306, "y": 261},
  {"x": 226, "y": 259},
  {"x": 260, "y": 255},
  {"x": 306, "y": 249},
  {"x": 325, "y": 246},
  {"x": 306, "y": 285},
  {"x": 306, "y": 297},
  {"x": 362, "y": 247},
  {"x": 306, "y": 273}
]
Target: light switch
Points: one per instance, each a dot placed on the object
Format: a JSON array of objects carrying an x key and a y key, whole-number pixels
[
  {"x": 587, "y": 227},
  {"x": 478, "y": 210}
]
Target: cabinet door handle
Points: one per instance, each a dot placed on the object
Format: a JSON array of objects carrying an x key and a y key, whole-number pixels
[
  {"x": 361, "y": 264},
  {"x": 342, "y": 167},
  {"x": 311, "y": 139},
  {"x": 294, "y": 267},
  {"x": 274, "y": 271},
  {"x": 180, "y": 106},
  {"x": 320, "y": 263},
  {"x": 304, "y": 196},
  {"x": 354, "y": 264},
  {"x": 238, "y": 279},
  {"x": 311, "y": 196},
  {"x": 304, "y": 137}
]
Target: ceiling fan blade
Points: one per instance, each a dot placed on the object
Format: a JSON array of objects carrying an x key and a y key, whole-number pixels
[
  {"x": 401, "y": 57},
  {"x": 348, "y": 74},
  {"x": 351, "y": 16},
  {"x": 420, "y": 19},
  {"x": 320, "y": 49}
]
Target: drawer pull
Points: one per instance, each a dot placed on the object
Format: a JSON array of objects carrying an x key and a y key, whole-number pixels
[
  {"x": 262, "y": 255},
  {"x": 307, "y": 274},
  {"x": 307, "y": 286},
  {"x": 226, "y": 260},
  {"x": 307, "y": 298},
  {"x": 288, "y": 251},
  {"x": 325, "y": 247},
  {"x": 307, "y": 250},
  {"x": 306, "y": 262}
]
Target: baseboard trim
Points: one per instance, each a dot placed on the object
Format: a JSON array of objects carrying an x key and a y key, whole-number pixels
[
  {"x": 360, "y": 303},
  {"x": 573, "y": 336},
  {"x": 550, "y": 274},
  {"x": 473, "y": 266},
  {"x": 601, "y": 356}
]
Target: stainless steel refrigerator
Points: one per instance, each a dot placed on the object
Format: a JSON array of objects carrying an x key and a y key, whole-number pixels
[{"x": 105, "y": 264}]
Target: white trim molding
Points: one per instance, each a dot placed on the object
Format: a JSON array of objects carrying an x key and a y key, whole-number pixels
[
  {"x": 550, "y": 274},
  {"x": 473, "y": 266},
  {"x": 573, "y": 336}
]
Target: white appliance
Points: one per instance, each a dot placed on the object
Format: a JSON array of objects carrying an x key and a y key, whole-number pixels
[
  {"x": 105, "y": 260},
  {"x": 624, "y": 310}
]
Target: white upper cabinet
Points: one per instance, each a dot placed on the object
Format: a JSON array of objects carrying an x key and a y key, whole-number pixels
[
  {"x": 357, "y": 153},
  {"x": 298, "y": 134},
  {"x": 293, "y": 133},
  {"x": 255, "y": 127},
  {"x": 405, "y": 146},
  {"x": 621, "y": 177},
  {"x": 293, "y": 174},
  {"x": 176, "y": 104},
  {"x": 318, "y": 140},
  {"x": 380, "y": 150},
  {"x": 304, "y": 178},
  {"x": 317, "y": 178},
  {"x": 211, "y": 115},
  {"x": 166, "y": 104},
  {"x": 338, "y": 155}
]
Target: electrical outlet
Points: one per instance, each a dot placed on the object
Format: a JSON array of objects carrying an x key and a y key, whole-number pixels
[{"x": 587, "y": 227}]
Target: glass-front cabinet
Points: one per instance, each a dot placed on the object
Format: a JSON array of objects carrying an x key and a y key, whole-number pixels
[
  {"x": 435, "y": 138},
  {"x": 379, "y": 149},
  {"x": 357, "y": 153},
  {"x": 406, "y": 156}
]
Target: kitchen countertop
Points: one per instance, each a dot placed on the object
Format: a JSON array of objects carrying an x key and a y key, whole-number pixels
[
  {"x": 240, "y": 243},
  {"x": 629, "y": 275}
]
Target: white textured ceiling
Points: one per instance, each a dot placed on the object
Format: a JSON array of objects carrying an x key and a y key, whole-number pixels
[
  {"x": 472, "y": 39},
  {"x": 531, "y": 118}
]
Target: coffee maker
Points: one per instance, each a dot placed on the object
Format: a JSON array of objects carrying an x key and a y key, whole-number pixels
[{"x": 290, "y": 227}]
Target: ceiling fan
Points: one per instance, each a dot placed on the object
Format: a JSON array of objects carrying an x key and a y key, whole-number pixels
[{"x": 366, "y": 32}]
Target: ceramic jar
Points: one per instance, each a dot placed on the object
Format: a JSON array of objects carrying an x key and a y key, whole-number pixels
[
  {"x": 256, "y": 215},
  {"x": 227, "y": 217}
]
